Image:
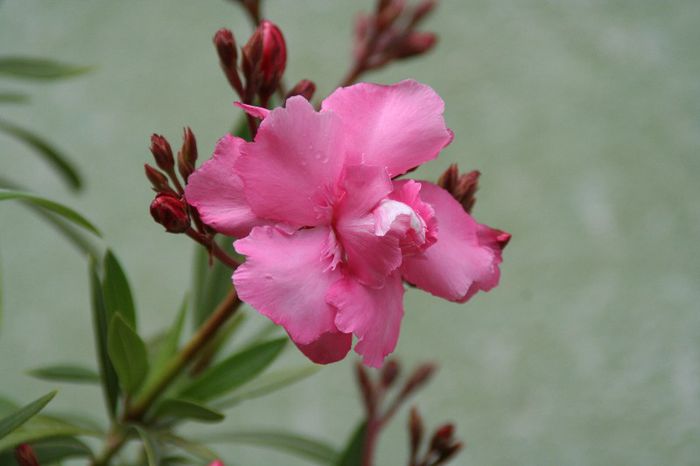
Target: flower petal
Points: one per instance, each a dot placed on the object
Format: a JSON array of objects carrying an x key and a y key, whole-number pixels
[
  {"x": 252, "y": 110},
  {"x": 216, "y": 191},
  {"x": 291, "y": 170},
  {"x": 372, "y": 314},
  {"x": 398, "y": 127},
  {"x": 465, "y": 257},
  {"x": 286, "y": 277},
  {"x": 330, "y": 347},
  {"x": 370, "y": 256}
]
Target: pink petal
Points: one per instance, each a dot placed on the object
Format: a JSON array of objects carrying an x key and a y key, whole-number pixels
[
  {"x": 216, "y": 191},
  {"x": 291, "y": 170},
  {"x": 330, "y": 347},
  {"x": 464, "y": 259},
  {"x": 398, "y": 127},
  {"x": 372, "y": 314},
  {"x": 252, "y": 110},
  {"x": 370, "y": 256},
  {"x": 286, "y": 277}
]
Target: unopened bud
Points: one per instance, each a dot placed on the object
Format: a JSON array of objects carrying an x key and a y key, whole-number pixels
[
  {"x": 420, "y": 377},
  {"x": 390, "y": 372},
  {"x": 448, "y": 179},
  {"x": 462, "y": 187},
  {"x": 187, "y": 157},
  {"x": 389, "y": 13},
  {"x": 415, "y": 428},
  {"x": 265, "y": 59},
  {"x": 162, "y": 153},
  {"x": 170, "y": 211},
  {"x": 304, "y": 88},
  {"x": 366, "y": 386},
  {"x": 442, "y": 438},
  {"x": 24, "y": 454},
  {"x": 422, "y": 10},
  {"x": 225, "y": 45},
  {"x": 415, "y": 43},
  {"x": 158, "y": 180}
]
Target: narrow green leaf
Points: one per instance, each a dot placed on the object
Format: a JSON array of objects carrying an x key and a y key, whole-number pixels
[
  {"x": 150, "y": 446},
  {"x": 128, "y": 354},
  {"x": 44, "y": 427},
  {"x": 66, "y": 373},
  {"x": 44, "y": 148},
  {"x": 304, "y": 447},
  {"x": 116, "y": 291},
  {"x": 171, "y": 342},
  {"x": 185, "y": 409},
  {"x": 57, "y": 449},
  {"x": 19, "y": 417},
  {"x": 268, "y": 383},
  {"x": 234, "y": 371},
  {"x": 193, "y": 448},
  {"x": 108, "y": 376},
  {"x": 13, "y": 98},
  {"x": 215, "y": 345},
  {"x": 211, "y": 283},
  {"x": 352, "y": 455},
  {"x": 39, "y": 68},
  {"x": 52, "y": 206}
]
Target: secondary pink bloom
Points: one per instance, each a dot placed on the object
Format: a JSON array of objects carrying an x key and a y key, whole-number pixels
[{"x": 328, "y": 233}]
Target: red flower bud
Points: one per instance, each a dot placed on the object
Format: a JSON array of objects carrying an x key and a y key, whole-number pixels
[
  {"x": 162, "y": 153},
  {"x": 225, "y": 45},
  {"x": 415, "y": 428},
  {"x": 187, "y": 157},
  {"x": 462, "y": 187},
  {"x": 304, "y": 88},
  {"x": 170, "y": 211},
  {"x": 390, "y": 372},
  {"x": 264, "y": 59},
  {"x": 416, "y": 43},
  {"x": 25, "y": 455},
  {"x": 158, "y": 180}
]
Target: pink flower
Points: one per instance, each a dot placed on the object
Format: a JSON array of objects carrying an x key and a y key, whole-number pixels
[{"x": 329, "y": 235}]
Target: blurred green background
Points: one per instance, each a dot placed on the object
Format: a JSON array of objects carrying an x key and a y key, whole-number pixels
[{"x": 584, "y": 118}]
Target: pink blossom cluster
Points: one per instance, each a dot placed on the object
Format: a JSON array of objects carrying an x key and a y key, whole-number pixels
[{"x": 329, "y": 233}]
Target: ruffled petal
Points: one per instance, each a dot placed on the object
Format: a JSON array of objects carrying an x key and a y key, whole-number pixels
[
  {"x": 398, "y": 127},
  {"x": 287, "y": 276},
  {"x": 372, "y": 314},
  {"x": 216, "y": 191},
  {"x": 330, "y": 347},
  {"x": 465, "y": 257},
  {"x": 370, "y": 256},
  {"x": 291, "y": 171}
]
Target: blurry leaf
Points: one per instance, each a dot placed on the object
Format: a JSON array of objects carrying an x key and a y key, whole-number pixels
[
  {"x": 216, "y": 344},
  {"x": 108, "y": 376},
  {"x": 184, "y": 409},
  {"x": 352, "y": 454},
  {"x": 62, "y": 210},
  {"x": 176, "y": 460},
  {"x": 116, "y": 291},
  {"x": 128, "y": 354},
  {"x": 196, "y": 449},
  {"x": 268, "y": 383},
  {"x": 57, "y": 449},
  {"x": 267, "y": 330},
  {"x": 170, "y": 341},
  {"x": 71, "y": 233},
  {"x": 13, "y": 97},
  {"x": 39, "y": 68},
  {"x": 233, "y": 371},
  {"x": 150, "y": 447},
  {"x": 22, "y": 415},
  {"x": 66, "y": 373},
  {"x": 303, "y": 447},
  {"x": 45, "y": 149},
  {"x": 211, "y": 283},
  {"x": 242, "y": 129},
  {"x": 44, "y": 427}
]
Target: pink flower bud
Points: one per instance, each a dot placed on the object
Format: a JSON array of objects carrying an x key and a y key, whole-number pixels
[
  {"x": 416, "y": 43},
  {"x": 162, "y": 153},
  {"x": 217, "y": 463},
  {"x": 304, "y": 88},
  {"x": 25, "y": 455},
  {"x": 225, "y": 45},
  {"x": 170, "y": 211},
  {"x": 265, "y": 58}
]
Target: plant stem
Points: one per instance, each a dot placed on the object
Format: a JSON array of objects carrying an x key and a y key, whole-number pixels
[
  {"x": 116, "y": 439},
  {"x": 211, "y": 245},
  {"x": 176, "y": 365}
]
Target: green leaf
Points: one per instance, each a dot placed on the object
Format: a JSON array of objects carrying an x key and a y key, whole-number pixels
[
  {"x": 234, "y": 371},
  {"x": 193, "y": 448},
  {"x": 44, "y": 427},
  {"x": 352, "y": 455},
  {"x": 216, "y": 344},
  {"x": 57, "y": 449},
  {"x": 39, "y": 68},
  {"x": 116, "y": 291},
  {"x": 108, "y": 376},
  {"x": 66, "y": 373},
  {"x": 13, "y": 97},
  {"x": 185, "y": 409},
  {"x": 150, "y": 446},
  {"x": 128, "y": 354},
  {"x": 268, "y": 383},
  {"x": 211, "y": 283},
  {"x": 52, "y": 206},
  {"x": 298, "y": 445},
  {"x": 44, "y": 148},
  {"x": 19, "y": 417},
  {"x": 170, "y": 341}
]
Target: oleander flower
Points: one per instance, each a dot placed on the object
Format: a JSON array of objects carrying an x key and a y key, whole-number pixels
[{"x": 329, "y": 233}]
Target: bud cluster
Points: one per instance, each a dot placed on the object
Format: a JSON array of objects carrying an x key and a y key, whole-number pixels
[
  {"x": 390, "y": 34},
  {"x": 442, "y": 447},
  {"x": 463, "y": 186}
]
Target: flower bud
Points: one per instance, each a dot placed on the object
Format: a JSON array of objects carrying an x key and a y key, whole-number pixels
[
  {"x": 390, "y": 372},
  {"x": 422, "y": 10},
  {"x": 217, "y": 463},
  {"x": 304, "y": 88},
  {"x": 24, "y": 454},
  {"x": 415, "y": 428},
  {"x": 162, "y": 153},
  {"x": 420, "y": 377},
  {"x": 170, "y": 211},
  {"x": 462, "y": 187},
  {"x": 187, "y": 157},
  {"x": 442, "y": 439},
  {"x": 225, "y": 45},
  {"x": 415, "y": 43},
  {"x": 158, "y": 180},
  {"x": 264, "y": 59}
]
